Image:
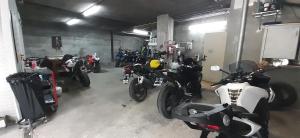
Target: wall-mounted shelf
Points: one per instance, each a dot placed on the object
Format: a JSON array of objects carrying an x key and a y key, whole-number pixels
[
  {"x": 267, "y": 13},
  {"x": 152, "y": 42}
]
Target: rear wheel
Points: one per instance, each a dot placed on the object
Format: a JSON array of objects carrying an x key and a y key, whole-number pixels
[
  {"x": 137, "y": 91},
  {"x": 168, "y": 99}
]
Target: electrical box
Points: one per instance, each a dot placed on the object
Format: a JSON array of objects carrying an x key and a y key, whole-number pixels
[{"x": 281, "y": 41}]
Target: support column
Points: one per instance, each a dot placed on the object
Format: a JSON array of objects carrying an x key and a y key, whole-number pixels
[
  {"x": 252, "y": 38},
  {"x": 8, "y": 62},
  {"x": 165, "y": 29}
]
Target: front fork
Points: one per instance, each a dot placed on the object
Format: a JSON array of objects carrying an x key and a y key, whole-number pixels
[
  {"x": 140, "y": 79},
  {"x": 271, "y": 95}
]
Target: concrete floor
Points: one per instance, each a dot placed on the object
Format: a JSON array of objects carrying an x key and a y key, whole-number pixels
[{"x": 105, "y": 110}]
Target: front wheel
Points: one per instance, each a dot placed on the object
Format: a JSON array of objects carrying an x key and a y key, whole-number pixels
[
  {"x": 97, "y": 67},
  {"x": 137, "y": 91},
  {"x": 84, "y": 79},
  {"x": 262, "y": 110},
  {"x": 167, "y": 100}
]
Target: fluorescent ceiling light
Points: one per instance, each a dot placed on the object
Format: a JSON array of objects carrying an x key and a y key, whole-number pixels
[
  {"x": 92, "y": 10},
  {"x": 73, "y": 21},
  {"x": 140, "y": 32},
  {"x": 211, "y": 27}
]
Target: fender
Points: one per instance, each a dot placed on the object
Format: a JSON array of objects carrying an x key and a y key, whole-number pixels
[
  {"x": 254, "y": 127},
  {"x": 146, "y": 82}
]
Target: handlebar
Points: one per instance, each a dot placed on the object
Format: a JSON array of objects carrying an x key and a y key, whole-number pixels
[
  {"x": 240, "y": 76},
  {"x": 217, "y": 83}
]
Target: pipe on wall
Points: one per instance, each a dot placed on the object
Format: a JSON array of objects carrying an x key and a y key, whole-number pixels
[
  {"x": 242, "y": 33},
  {"x": 112, "y": 45}
]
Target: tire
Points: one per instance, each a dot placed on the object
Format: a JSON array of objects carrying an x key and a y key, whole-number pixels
[
  {"x": 196, "y": 89},
  {"x": 263, "y": 112},
  {"x": 168, "y": 98},
  {"x": 84, "y": 79},
  {"x": 51, "y": 109},
  {"x": 117, "y": 63},
  {"x": 285, "y": 95},
  {"x": 137, "y": 92},
  {"x": 97, "y": 68}
]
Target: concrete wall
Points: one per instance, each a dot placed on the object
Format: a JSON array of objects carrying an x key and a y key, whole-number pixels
[
  {"x": 75, "y": 40},
  {"x": 182, "y": 33}
]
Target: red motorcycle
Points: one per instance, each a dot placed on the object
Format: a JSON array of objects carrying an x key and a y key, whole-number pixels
[{"x": 93, "y": 63}]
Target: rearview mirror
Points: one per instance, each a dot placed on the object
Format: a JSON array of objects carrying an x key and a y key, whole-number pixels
[{"x": 215, "y": 68}]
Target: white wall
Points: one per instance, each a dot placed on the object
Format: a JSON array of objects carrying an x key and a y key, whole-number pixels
[{"x": 8, "y": 104}]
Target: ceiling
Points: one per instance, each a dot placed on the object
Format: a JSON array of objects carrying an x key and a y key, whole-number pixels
[{"x": 116, "y": 13}]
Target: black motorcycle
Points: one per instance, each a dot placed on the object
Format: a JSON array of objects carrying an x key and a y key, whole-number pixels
[
  {"x": 183, "y": 83},
  {"x": 125, "y": 57},
  {"x": 147, "y": 77}
]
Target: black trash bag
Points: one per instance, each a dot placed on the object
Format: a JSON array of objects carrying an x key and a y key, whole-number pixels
[{"x": 27, "y": 90}]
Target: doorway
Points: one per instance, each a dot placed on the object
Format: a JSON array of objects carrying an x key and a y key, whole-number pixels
[{"x": 214, "y": 52}]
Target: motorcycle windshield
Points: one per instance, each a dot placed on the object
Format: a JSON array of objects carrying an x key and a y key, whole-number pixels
[{"x": 245, "y": 65}]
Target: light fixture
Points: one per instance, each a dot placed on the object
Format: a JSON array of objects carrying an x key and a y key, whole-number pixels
[
  {"x": 280, "y": 62},
  {"x": 72, "y": 21},
  {"x": 209, "y": 27},
  {"x": 140, "y": 32},
  {"x": 92, "y": 10}
]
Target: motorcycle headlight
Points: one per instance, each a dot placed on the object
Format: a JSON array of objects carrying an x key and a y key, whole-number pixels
[
  {"x": 226, "y": 120},
  {"x": 192, "y": 111}
]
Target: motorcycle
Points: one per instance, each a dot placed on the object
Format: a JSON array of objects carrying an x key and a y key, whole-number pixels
[
  {"x": 93, "y": 63},
  {"x": 149, "y": 75},
  {"x": 183, "y": 83},
  {"x": 76, "y": 69},
  {"x": 128, "y": 69},
  {"x": 125, "y": 57},
  {"x": 243, "y": 109}
]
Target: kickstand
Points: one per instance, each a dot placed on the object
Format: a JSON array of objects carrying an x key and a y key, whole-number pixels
[{"x": 204, "y": 134}]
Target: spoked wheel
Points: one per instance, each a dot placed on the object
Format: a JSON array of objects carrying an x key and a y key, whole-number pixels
[
  {"x": 137, "y": 91},
  {"x": 168, "y": 99}
]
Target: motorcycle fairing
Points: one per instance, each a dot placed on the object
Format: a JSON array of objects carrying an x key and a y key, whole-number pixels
[{"x": 245, "y": 95}]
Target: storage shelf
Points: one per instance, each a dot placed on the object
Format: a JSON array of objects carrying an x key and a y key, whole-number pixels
[{"x": 268, "y": 13}]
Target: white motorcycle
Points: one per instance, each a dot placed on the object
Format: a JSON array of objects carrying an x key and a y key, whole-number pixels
[
  {"x": 243, "y": 111},
  {"x": 76, "y": 69}
]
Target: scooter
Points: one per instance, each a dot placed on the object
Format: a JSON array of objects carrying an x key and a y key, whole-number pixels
[{"x": 243, "y": 109}]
